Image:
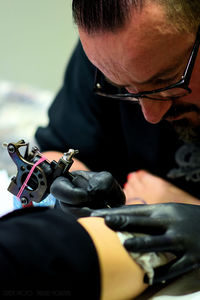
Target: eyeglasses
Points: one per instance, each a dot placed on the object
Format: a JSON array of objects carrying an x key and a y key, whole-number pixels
[{"x": 179, "y": 89}]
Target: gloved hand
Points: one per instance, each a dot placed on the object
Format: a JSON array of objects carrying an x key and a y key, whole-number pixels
[
  {"x": 86, "y": 191},
  {"x": 170, "y": 227}
]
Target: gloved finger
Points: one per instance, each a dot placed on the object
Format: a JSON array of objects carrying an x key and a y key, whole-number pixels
[
  {"x": 173, "y": 269},
  {"x": 80, "y": 181},
  {"x": 78, "y": 212},
  {"x": 136, "y": 224},
  {"x": 107, "y": 188},
  {"x": 82, "y": 176},
  {"x": 124, "y": 209},
  {"x": 150, "y": 243},
  {"x": 100, "y": 181},
  {"x": 94, "y": 181},
  {"x": 64, "y": 190},
  {"x": 102, "y": 188}
]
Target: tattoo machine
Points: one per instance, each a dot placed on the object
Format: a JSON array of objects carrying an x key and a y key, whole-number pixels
[{"x": 35, "y": 173}]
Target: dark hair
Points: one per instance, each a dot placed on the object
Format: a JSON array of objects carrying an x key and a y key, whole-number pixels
[
  {"x": 111, "y": 15},
  {"x": 102, "y": 15}
]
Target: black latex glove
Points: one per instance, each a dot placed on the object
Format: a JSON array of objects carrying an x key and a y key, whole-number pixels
[
  {"x": 87, "y": 191},
  {"x": 170, "y": 227}
]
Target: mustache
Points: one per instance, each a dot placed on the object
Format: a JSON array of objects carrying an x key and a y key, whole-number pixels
[{"x": 177, "y": 110}]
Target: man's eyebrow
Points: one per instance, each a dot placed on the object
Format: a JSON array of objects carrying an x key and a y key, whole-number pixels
[
  {"x": 150, "y": 80},
  {"x": 113, "y": 83},
  {"x": 161, "y": 73}
]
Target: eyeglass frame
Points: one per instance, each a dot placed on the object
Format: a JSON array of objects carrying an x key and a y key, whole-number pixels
[{"x": 182, "y": 83}]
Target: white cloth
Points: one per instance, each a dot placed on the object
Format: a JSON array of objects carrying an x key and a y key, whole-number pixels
[
  {"x": 193, "y": 296},
  {"x": 6, "y": 198},
  {"x": 148, "y": 261},
  {"x": 186, "y": 287}
]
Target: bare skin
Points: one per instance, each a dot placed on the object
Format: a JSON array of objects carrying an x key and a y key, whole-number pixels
[
  {"x": 77, "y": 164},
  {"x": 145, "y": 188}
]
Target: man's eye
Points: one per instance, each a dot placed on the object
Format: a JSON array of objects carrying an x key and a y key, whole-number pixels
[
  {"x": 167, "y": 81},
  {"x": 118, "y": 86},
  {"x": 161, "y": 81}
]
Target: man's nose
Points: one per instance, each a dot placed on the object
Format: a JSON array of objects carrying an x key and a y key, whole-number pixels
[{"x": 154, "y": 110}]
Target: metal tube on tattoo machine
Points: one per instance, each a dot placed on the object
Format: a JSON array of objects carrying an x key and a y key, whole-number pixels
[{"x": 38, "y": 186}]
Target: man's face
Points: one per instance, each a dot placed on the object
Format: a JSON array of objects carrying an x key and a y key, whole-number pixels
[{"x": 149, "y": 53}]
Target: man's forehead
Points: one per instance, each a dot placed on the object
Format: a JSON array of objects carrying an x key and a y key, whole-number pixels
[
  {"x": 148, "y": 43},
  {"x": 142, "y": 60}
]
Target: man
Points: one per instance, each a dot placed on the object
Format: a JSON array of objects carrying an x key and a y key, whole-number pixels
[
  {"x": 147, "y": 49},
  {"x": 145, "y": 52}
]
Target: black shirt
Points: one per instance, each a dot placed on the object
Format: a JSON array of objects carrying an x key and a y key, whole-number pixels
[
  {"x": 46, "y": 252},
  {"x": 110, "y": 135}
]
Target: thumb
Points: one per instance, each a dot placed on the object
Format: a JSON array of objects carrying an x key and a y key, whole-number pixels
[{"x": 64, "y": 190}]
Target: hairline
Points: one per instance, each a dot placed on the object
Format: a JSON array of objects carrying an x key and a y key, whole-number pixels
[{"x": 179, "y": 19}]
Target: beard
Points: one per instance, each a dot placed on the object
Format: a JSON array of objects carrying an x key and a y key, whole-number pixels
[
  {"x": 186, "y": 132},
  {"x": 185, "y": 129}
]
